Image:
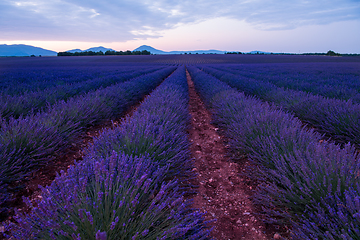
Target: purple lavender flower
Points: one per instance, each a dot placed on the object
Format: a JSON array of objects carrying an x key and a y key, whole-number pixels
[
  {"x": 113, "y": 224},
  {"x": 145, "y": 232},
  {"x": 89, "y": 217},
  {"x": 101, "y": 235},
  {"x": 76, "y": 237}
]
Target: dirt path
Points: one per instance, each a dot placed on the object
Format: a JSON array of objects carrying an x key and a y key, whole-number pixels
[{"x": 222, "y": 192}]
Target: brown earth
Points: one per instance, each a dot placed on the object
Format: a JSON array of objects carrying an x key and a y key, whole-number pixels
[{"x": 223, "y": 193}]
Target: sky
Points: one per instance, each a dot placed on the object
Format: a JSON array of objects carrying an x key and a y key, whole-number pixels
[{"x": 294, "y": 26}]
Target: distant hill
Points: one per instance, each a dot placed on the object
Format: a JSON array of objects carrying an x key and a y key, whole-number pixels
[
  {"x": 94, "y": 49},
  {"x": 75, "y": 50},
  {"x": 157, "y": 51},
  {"x": 150, "y": 49},
  {"x": 20, "y": 50},
  {"x": 97, "y": 49},
  {"x": 27, "y": 50}
]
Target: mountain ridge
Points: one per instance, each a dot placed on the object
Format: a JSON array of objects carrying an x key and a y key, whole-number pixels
[
  {"x": 20, "y": 50},
  {"x": 93, "y": 49},
  {"x": 157, "y": 51},
  {"x": 28, "y": 50}
]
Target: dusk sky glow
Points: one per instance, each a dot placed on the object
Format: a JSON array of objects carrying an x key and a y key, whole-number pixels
[{"x": 243, "y": 25}]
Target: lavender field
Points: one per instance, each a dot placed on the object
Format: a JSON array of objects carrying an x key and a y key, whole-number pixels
[{"x": 295, "y": 119}]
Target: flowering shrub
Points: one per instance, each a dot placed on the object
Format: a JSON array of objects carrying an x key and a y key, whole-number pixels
[
  {"x": 338, "y": 118},
  {"x": 156, "y": 129},
  {"x": 26, "y": 143},
  {"x": 22, "y": 78},
  {"x": 310, "y": 184},
  {"x": 34, "y": 101},
  {"x": 119, "y": 197},
  {"x": 129, "y": 184},
  {"x": 333, "y": 80},
  {"x": 4, "y": 197}
]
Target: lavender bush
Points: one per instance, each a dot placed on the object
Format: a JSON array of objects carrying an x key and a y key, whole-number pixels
[
  {"x": 339, "y": 119},
  {"x": 125, "y": 191},
  {"x": 333, "y": 80},
  {"x": 4, "y": 197},
  {"x": 26, "y": 143},
  {"x": 32, "y": 102},
  {"x": 311, "y": 184},
  {"x": 260, "y": 130},
  {"x": 334, "y": 221},
  {"x": 25, "y": 78},
  {"x": 156, "y": 129},
  {"x": 119, "y": 197}
]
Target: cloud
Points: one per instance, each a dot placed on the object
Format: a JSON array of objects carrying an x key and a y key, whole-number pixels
[{"x": 122, "y": 20}]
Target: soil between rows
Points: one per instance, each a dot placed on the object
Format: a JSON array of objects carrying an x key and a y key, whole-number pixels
[{"x": 222, "y": 193}]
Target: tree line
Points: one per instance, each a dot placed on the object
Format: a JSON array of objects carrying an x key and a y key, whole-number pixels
[{"x": 99, "y": 53}]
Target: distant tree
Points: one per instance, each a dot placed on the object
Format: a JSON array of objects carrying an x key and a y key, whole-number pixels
[
  {"x": 65, "y": 54},
  {"x": 332, "y": 53},
  {"x": 233, "y": 52},
  {"x": 108, "y": 52},
  {"x": 145, "y": 52}
]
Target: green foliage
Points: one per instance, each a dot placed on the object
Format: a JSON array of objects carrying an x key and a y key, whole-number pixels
[
  {"x": 100, "y": 53},
  {"x": 332, "y": 53}
]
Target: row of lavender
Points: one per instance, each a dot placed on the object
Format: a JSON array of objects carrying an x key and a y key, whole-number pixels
[
  {"x": 34, "y": 101},
  {"x": 309, "y": 184},
  {"x": 27, "y": 143},
  {"x": 130, "y": 184},
  {"x": 336, "y": 118},
  {"x": 21, "y": 79},
  {"x": 333, "y": 80},
  {"x": 16, "y": 81}
]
